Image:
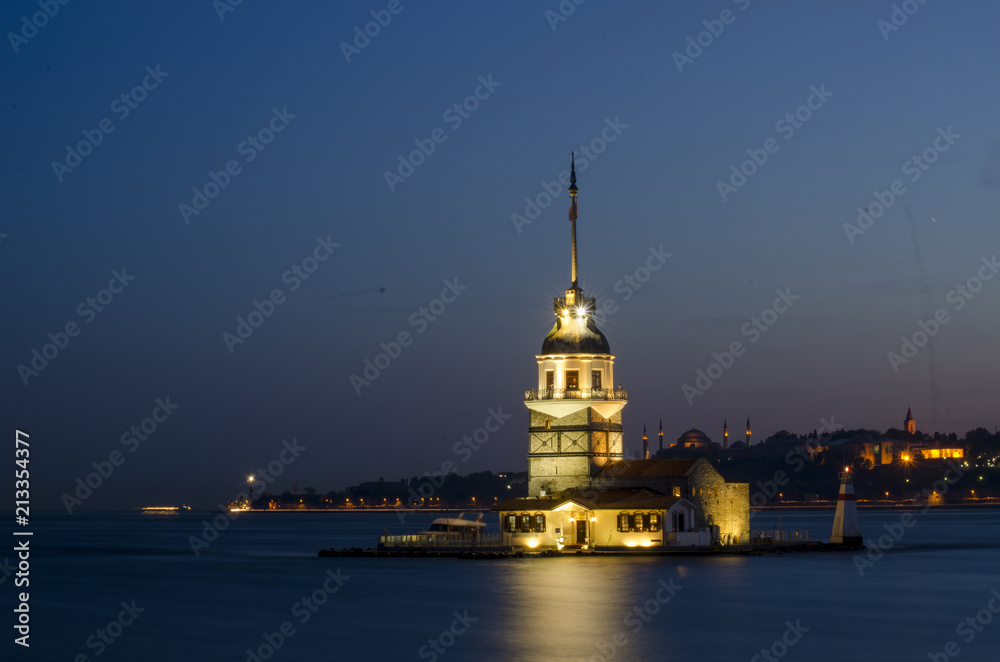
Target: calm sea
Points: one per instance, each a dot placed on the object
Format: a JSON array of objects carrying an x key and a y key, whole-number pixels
[{"x": 250, "y": 581}]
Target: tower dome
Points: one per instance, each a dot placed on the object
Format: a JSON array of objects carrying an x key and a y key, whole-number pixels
[{"x": 575, "y": 333}]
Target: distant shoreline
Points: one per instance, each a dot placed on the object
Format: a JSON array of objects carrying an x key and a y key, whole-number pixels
[{"x": 831, "y": 505}]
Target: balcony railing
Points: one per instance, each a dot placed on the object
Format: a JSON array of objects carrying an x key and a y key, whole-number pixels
[{"x": 575, "y": 394}]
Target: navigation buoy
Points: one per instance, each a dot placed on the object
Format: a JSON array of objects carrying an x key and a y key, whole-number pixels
[{"x": 846, "y": 528}]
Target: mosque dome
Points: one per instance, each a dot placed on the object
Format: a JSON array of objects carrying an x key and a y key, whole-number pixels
[{"x": 694, "y": 438}]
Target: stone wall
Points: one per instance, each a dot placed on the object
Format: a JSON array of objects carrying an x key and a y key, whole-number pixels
[{"x": 564, "y": 452}]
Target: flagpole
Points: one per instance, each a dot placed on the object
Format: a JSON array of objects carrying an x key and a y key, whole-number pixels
[{"x": 572, "y": 210}]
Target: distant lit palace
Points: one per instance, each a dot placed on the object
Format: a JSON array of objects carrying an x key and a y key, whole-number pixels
[{"x": 582, "y": 492}]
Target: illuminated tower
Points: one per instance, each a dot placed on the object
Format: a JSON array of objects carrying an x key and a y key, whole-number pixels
[
  {"x": 846, "y": 528},
  {"x": 748, "y": 431},
  {"x": 909, "y": 424},
  {"x": 645, "y": 443},
  {"x": 575, "y": 421},
  {"x": 661, "y": 434},
  {"x": 725, "y": 433}
]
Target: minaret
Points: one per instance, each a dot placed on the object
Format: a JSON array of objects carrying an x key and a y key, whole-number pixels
[
  {"x": 909, "y": 424},
  {"x": 661, "y": 434},
  {"x": 575, "y": 425},
  {"x": 846, "y": 528},
  {"x": 645, "y": 443},
  {"x": 748, "y": 431},
  {"x": 725, "y": 434}
]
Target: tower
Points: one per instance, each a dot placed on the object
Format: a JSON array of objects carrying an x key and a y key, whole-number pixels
[
  {"x": 846, "y": 528},
  {"x": 748, "y": 431},
  {"x": 645, "y": 443},
  {"x": 661, "y": 434},
  {"x": 575, "y": 422},
  {"x": 725, "y": 434},
  {"x": 909, "y": 424}
]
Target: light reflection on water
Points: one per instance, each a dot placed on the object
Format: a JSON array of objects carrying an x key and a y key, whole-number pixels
[{"x": 245, "y": 584}]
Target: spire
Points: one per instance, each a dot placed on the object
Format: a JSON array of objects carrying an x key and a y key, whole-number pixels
[
  {"x": 725, "y": 433},
  {"x": 661, "y": 434},
  {"x": 573, "y": 190},
  {"x": 748, "y": 430},
  {"x": 645, "y": 443}
]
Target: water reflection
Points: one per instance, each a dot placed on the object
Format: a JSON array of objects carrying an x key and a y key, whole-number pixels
[{"x": 585, "y": 608}]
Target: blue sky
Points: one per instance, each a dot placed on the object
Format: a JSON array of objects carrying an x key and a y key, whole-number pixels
[{"x": 553, "y": 90}]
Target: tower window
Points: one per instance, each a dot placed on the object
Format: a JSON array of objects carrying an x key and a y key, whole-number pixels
[
  {"x": 595, "y": 379},
  {"x": 550, "y": 380},
  {"x": 572, "y": 380},
  {"x": 548, "y": 423}
]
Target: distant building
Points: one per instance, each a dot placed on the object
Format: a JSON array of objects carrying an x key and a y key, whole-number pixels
[
  {"x": 582, "y": 492},
  {"x": 695, "y": 439},
  {"x": 887, "y": 451}
]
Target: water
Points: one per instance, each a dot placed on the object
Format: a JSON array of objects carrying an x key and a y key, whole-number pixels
[{"x": 248, "y": 581}]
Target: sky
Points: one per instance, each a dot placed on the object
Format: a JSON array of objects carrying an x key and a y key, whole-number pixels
[{"x": 169, "y": 167}]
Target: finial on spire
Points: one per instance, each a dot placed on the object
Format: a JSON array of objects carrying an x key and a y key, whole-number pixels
[{"x": 573, "y": 190}]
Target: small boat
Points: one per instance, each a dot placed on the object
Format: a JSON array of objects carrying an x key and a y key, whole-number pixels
[
  {"x": 163, "y": 510},
  {"x": 455, "y": 527}
]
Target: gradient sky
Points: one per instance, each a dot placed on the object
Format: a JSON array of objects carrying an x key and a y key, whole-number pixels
[{"x": 323, "y": 176}]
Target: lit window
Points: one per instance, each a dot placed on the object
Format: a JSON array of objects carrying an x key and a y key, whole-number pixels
[
  {"x": 623, "y": 522},
  {"x": 572, "y": 380},
  {"x": 677, "y": 491},
  {"x": 595, "y": 379}
]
